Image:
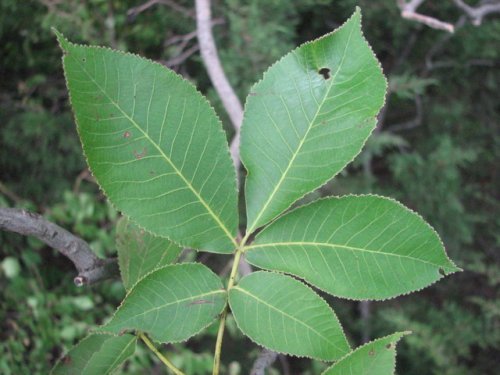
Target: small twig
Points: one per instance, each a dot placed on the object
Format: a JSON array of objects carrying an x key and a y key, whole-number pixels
[
  {"x": 10, "y": 194},
  {"x": 91, "y": 269},
  {"x": 180, "y": 58},
  {"x": 409, "y": 11},
  {"x": 476, "y": 14},
  {"x": 219, "y": 80},
  {"x": 133, "y": 12},
  {"x": 438, "y": 46},
  {"x": 265, "y": 359}
]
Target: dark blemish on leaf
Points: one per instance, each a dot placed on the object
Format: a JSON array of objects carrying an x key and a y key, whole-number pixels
[
  {"x": 122, "y": 332},
  {"x": 140, "y": 155},
  {"x": 371, "y": 353},
  {"x": 152, "y": 173},
  {"x": 126, "y": 135},
  {"x": 389, "y": 346},
  {"x": 325, "y": 72},
  {"x": 200, "y": 302},
  {"x": 441, "y": 271},
  {"x": 84, "y": 59},
  {"x": 252, "y": 94}
]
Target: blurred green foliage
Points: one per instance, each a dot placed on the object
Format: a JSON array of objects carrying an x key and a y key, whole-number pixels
[{"x": 436, "y": 150}]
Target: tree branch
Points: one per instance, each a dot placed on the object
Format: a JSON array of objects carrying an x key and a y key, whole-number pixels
[
  {"x": 133, "y": 12},
  {"x": 409, "y": 11},
  {"x": 265, "y": 359},
  {"x": 478, "y": 13},
  {"x": 91, "y": 269},
  {"x": 219, "y": 80}
]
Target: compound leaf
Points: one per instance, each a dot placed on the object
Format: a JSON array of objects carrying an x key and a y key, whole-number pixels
[
  {"x": 140, "y": 252},
  {"x": 308, "y": 118},
  {"x": 375, "y": 358},
  {"x": 357, "y": 247},
  {"x": 155, "y": 146},
  {"x": 97, "y": 354},
  {"x": 283, "y": 314},
  {"x": 171, "y": 304}
]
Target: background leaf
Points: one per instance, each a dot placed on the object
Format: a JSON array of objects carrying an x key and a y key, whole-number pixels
[
  {"x": 97, "y": 354},
  {"x": 154, "y": 145},
  {"x": 375, "y": 358},
  {"x": 358, "y": 247},
  {"x": 308, "y": 118},
  {"x": 171, "y": 304},
  {"x": 140, "y": 252},
  {"x": 284, "y": 315}
]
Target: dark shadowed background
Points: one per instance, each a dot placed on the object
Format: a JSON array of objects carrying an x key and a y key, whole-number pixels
[{"x": 436, "y": 149}]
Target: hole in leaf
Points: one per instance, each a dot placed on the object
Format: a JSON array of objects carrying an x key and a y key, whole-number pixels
[{"x": 325, "y": 72}]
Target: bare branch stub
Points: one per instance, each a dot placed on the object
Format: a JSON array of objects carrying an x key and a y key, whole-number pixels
[{"x": 91, "y": 269}]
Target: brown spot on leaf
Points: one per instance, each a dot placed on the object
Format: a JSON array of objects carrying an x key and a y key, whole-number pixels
[
  {"x": 140, "y": 155},
  {"x": 371, "y": 353},
  {"x": 66, "y": 360},
  {"x": 200, "y": 302},
  {"x": 389, "y": 346},
  {"x": 126, "y": 135}
]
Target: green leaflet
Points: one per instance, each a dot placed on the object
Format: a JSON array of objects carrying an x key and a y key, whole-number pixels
[
  {"x": 300, "y": 128},
  {"x": 283, "y": 314},
  {"x": 358, "y": 247},
  {"x": 155, "y": 146},
  {"x": 375, "y": 358},
  {"x": 171, "y": 304},
  {"x": 97, "y": 354},
  {"x": 139, "y": 252}
]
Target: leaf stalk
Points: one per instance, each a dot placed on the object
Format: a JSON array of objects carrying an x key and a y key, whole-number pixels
[
  {"x": 222, "y": 324},
  {"x": 162, "y": 358}
]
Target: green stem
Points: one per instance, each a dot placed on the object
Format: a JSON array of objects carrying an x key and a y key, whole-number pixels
[
  {"x": 167, "y": 363},
  {"x": 222, "y": 324}
]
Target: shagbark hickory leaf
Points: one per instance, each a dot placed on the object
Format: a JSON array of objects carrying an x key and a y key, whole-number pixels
[
  {"x": 171, "y": 304},
  {"x": 283, "y": 314},
  {"x": 155, "y": 146},
  {"x": 308, "y": 118},
  {"x": 97, "y": 354},
  {"x": 140, "y": 252},
  {"x": 375, "y": 358},
  {"x": 357, "y": 247}
]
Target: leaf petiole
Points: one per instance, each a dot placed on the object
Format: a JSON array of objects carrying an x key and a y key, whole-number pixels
[
  {"x": 162, "y": 358},
  {"x": 222, "y": 324}
]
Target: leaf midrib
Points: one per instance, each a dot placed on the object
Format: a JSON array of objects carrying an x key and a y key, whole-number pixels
[
  {"x": 167, "y": 159},
  {"x": 332, "y": 245},
  {"x": 214, "y": 292},
  {"x": 302, "y": 141},
  {"x": 244, "y": 291}
]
